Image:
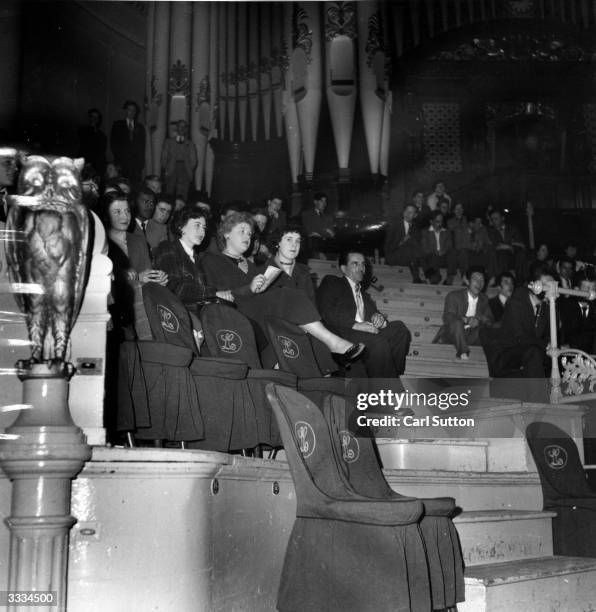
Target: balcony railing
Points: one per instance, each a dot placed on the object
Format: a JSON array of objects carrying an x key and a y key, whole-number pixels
[{"x": 573, "y": 372}]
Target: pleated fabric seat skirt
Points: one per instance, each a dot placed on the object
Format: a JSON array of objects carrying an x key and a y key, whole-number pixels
[
  {"x": 359, "y": 461},
  {"x": 346, "y": 552},
  {"x": 224, "y": 400},
  {"x": 565, "y": 489},
  {"x": 230, "y": 335}
]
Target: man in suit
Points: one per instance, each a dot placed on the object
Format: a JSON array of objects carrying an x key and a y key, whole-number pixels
[
  {"x": 578, "y": 317},
  {"x": 178, "y": 160},
  {"x": 497, "y": 303},
  {"x": 508, "y": 245},
  {"x": 566, "y": 269},
  {"x": 465, "y": 312},
  {"x": 318, "y": 225},
  {"x": 127, "y": 141},
  {"x": 277, "y": 217},
  {"x": 351, "y": 312},
  {"x": 93, "y": 142},
  {"x": 438, "y": 251},
  {"x": 402, "y": 244},
  {"x": 522, "y": 339}
]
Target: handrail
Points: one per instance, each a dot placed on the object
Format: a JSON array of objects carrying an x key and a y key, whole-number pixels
[{"x": 579, "y": 368}]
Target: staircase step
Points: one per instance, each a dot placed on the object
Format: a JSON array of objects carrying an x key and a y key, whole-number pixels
[
  {"x": 455, "y": 455},
  {"x": 412, "y": 317},
  {"x": 423, "y": 334},
  {"x": 411, "y": 303},
  {"x": 429, "y": 366},
  {"x": 551, "y": 584},
  {"x": 471, "y": 490},
  {"x": 444, "y": 351},
  {"x": 497, "y": 536}
]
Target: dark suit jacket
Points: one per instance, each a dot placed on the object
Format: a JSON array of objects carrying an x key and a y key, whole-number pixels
[
  {"x": 130, "y": 154},
  {"x": 394, "y": 234},
  {"x": 497, "y": 308},
  {"x": 185, "y": 278},
  {"x": 429, "y": 243},
  {"x": 337, "y": 305},
  {"x": 519, "y": 325},
  {"x": 511, "y": 235},
  {"x": 456, "y": 306},
  {"x": 576, "y": 330},
  {"x": 312, "y": 223},
  {"x": 92, "y": 146}
]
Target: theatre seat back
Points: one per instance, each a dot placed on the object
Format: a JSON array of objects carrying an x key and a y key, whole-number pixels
[
  {"x": 557, "y": 459},
  {"x": 306, "y": 441},
  {"x": 168, "y": 317},
  {"x": 357, "y": 455},
  {"x": 292, "y": 347},
  {"x": 229, "y": 334}
]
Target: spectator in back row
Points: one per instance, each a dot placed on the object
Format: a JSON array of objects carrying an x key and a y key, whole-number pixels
[
  {"x": 578, "y": 317},
  {"x": 93, "y": 142},
  {"x": 466, "y": 311},
  {"x": 497, "y": 304},
  {"x": 438, "y": 252},
  {"x": 509, "y": 247},
  {"x": 402, "y": 242},
  {"x": 157, "y": 226},
  {"x": 318, "y": 225},
  {"x": 439, "y": 194},
  {"x": 178, "y": 161},
  {"x": 127, "y": 141}
]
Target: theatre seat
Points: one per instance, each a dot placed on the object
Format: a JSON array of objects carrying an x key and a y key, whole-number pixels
[
  {"x": 358, "y": 459},
  {"x": 346, "y": 552},
  {"x": 295, "y": 354},
  {"x": 565, "y": 490},
  {"x": 230, "y": 335},
  {"x": 224, "y": 400}
]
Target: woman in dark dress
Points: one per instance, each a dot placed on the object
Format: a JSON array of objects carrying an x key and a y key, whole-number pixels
[
  {"x": 231, "y": 271},
  {"x": 179, "y": 259},
  {"x": 285, "y": 243}
]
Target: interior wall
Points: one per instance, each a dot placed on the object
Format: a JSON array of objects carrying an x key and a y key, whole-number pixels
[{"x": 78, "y": 55}]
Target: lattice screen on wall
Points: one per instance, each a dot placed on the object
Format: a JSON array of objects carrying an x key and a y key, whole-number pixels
[
  {"x": 590, "y": 123},
  {"x": 442, "y": 138}
]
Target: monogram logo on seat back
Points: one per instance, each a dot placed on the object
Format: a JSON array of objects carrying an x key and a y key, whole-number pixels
[
  {"x": 168, "y": 319},
  {"x": 555, "y": 456},
  {"x": 349, "y": 446},
  {"x": 288, "y": 347},
  {"x": 228, "y": 341},
  {"x": 305, "y": 435}
]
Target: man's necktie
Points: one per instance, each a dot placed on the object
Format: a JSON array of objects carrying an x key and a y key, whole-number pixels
[
  {"x": 359, "y": 304},
  {"x": 144, "y": 228},
  {"x": 131, "y": 130},
  {"x": 538, "y": 310},
  {"x": 584, "y": 308}
]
